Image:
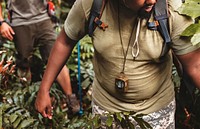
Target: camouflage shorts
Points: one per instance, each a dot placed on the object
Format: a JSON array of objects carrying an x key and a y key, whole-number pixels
[{"x": 162, "y": 119}]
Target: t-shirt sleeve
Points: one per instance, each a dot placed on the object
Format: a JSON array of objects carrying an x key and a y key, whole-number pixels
[
  {"x": 75, "y": 25},
  {"x": 178, "y": 23}
]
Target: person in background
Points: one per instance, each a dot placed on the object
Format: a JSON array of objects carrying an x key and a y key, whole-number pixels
[
  {"x": 31, "y": 26},
  {"x": 129, "y": 74}
]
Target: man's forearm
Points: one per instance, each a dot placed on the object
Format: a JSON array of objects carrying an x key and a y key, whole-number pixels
[{"x": 57, "y": 59}]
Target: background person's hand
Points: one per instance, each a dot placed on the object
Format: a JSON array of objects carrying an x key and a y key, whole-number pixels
[
  {"x": 43, "y": 104},
  {"x": 7, "y": 31}
]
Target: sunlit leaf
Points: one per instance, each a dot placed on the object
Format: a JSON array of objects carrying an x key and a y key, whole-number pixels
[
  {"x": 26, "y": 123},
  {"x": 195, "y": 39},
  {"x": 191, "y": 30},
  {"x": 12, "y": 109},
  {"x": 190, "y": 8},
  {"x": 13, "y": 117},
  {"x": 119, "y": 117},
  {"x": 6, "y": 120},
  {"x": 17, "y": 122},
  {"x": 126, "y": 113},
  {"x": 109, "y": 121},
  {"x": 96, "y": 121}
]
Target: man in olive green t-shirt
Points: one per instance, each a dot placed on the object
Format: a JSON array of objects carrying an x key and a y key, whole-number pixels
[{"x": 127, "y": 51}]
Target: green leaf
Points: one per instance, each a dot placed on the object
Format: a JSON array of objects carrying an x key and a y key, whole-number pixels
[
  {"x": 16, "y": 123},
  {"x": 6, "y": 120},
  {"x": 119, "y": 117},
  {"x": 13, "y": 117},
  {"x": 12, "y": 109},
  {"x": 191, "y": 30},
  {"x": 126, "y": 113},
  {"x": 195, "y": 39},
  {"x": 190, "y": 8},
  {"x": 96, "y": 121},
  {"x": 109, "y": 121},
  {"x": 26, "y": 123},
  {"x": 30, "y": 99}
]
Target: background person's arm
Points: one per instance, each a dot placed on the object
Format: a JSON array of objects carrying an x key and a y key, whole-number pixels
[{"x": 5, "y": 30}]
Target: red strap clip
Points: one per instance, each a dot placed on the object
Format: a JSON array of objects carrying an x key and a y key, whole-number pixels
[{"x": 100, "y": 24}]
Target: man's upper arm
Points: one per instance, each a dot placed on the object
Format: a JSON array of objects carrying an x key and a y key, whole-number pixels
[
  {"x": 190, "y": 59},
  {"x": 191, "y": 64}
]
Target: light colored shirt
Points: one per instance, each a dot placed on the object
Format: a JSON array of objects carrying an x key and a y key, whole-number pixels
[{"x": 25, "y": 12}]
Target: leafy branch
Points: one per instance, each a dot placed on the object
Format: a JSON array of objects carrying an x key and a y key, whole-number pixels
[{"x": 191, "y": 8}]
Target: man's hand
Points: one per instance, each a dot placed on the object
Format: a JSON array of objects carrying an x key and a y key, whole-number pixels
[
  {"x": 43, "y": 104},
  {"x": 7, "y": 31}
]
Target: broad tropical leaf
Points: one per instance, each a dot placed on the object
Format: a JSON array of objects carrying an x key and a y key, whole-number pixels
[
  {"x": 190, "y": 8},
  {"x": 191, "y": 30}
]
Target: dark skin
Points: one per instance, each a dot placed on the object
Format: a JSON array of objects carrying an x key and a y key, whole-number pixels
[
  {"x": 191, "y": 64},
  {"x": 58, "y": 57},
  {"x": 64, "y": 46}
]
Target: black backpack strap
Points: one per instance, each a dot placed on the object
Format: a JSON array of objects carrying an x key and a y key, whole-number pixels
[
  {"x": 95, "y": 15},
  {"x": 161, "y": 24},
  {"x": 161, "y": 15}
]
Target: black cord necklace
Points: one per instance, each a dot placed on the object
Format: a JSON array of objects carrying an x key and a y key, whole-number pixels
[
  {"x": 121, "y": 41},
  {"x": 121, "y": 81}
]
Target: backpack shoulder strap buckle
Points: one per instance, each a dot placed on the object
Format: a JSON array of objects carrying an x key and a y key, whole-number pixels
[
  {"x": 95, "y": 15},
  {"x": 153, "y": 25},
  {"x": 100, "y": 24}
]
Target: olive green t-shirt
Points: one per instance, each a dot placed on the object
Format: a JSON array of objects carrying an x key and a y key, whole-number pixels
[{"x": 149, "y": 79}]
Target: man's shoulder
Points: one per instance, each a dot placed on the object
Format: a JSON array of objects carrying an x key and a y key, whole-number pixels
[
  {"x": 86, "y": 4},
  {"x": 174, "y": 4}
]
